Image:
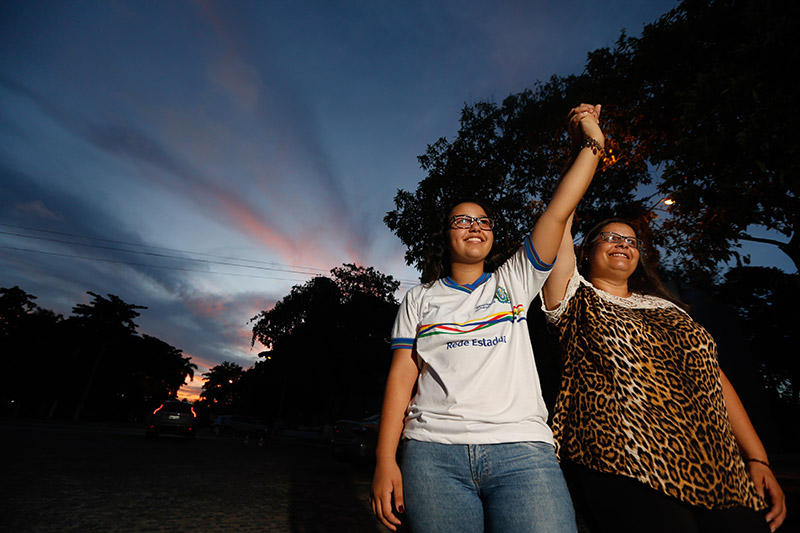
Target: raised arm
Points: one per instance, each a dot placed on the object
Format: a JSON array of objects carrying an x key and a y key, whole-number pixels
[
  {"x": 387, "y": 483},
  {"x": 751, "y": 448},
  {"x": 549, "y": 229},
  {"x": 556, "y": 285}
]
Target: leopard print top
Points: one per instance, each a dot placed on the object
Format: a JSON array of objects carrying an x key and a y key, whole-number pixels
[{"x": 641, "y": 396}]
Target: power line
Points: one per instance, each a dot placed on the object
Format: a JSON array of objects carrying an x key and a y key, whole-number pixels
[
  {"x": 312, "y": 269},
  {"x": 292, "y": 269},
  {"x": 72, "y": 256},
  {"x": 153, "y": 254}
]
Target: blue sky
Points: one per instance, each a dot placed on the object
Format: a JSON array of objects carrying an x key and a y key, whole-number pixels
[{"x": 147, "y": 147}]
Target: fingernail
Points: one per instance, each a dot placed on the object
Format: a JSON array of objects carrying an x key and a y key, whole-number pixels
[{"x": 401, "y": 509}]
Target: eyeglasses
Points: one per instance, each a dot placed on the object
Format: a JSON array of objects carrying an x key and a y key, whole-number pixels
[
  {"x": 466, "y": 222},
  {"x": 610, "y": 236}
]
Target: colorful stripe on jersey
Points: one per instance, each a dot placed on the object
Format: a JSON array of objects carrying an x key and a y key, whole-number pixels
[
  {"x": 533, "y": 257},
  {"x": 401, "y": 342},
  {"x": 517, "y": 314},
  {"x": 470, "y": 287}
]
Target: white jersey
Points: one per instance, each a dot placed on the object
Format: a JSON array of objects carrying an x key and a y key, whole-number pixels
[{"x": 478, "y": 382}]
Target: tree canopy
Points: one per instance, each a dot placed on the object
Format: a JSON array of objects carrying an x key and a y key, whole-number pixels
[
  {"x": 220, "y": 388},
  {"x": 694, "y": 109},
  {"x": 327, "y": 348},
  {"x": 93, "y": 363}
]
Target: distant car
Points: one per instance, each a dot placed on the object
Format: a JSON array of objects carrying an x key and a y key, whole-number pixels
[
  {"x": 239, "y": 426},
  {"x": 356, "y": 439},
  {"x": 173, "y": 417}
]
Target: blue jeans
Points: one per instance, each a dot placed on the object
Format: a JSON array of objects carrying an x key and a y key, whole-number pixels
[{"x": 513, "y": 487}]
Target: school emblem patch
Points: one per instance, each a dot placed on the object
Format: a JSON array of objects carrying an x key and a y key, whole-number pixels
[{"x": 501, "y": 295}]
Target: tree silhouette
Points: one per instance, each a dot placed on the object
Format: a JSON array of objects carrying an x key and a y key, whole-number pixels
[
  {"x": 55, "y": 367},
  {"x": 27, "y": 352},
  {"x": 16, "y": 306},
  {"x": 159, "y": 369},
  {"x": 220, "y": 391},
  {"x": 103, "y": 323},
  {"x": 704, "y": 87},
  {"x": 693, "y": 109},
  {"x": 327, "y": 347},
  {"x": 354, "y": 281}
]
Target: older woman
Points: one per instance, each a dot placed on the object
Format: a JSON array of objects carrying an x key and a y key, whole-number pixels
[
  {"x": 477, "y": 454},
  {"x": 650, "y": 432}
]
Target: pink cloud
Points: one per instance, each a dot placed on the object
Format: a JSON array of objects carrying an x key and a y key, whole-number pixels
[
  {"x": 243, "y": 216},
  {"x": 211, "y": 308}
]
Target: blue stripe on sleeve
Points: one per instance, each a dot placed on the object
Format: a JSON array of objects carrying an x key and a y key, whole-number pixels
[
  {"x": 402, "y": 343},
  {"x": 533, "y": 257}
]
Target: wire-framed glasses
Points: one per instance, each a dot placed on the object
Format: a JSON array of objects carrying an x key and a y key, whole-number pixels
[
  {"x": 615, "y": 238},
  {"x": 466, "y": 222}
]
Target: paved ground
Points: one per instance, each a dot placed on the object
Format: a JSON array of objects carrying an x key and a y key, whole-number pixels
[
  {"x": 60, "y": 477},
  {"x": 91, "y": 478}
]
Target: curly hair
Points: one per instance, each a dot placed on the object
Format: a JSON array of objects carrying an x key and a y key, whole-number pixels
[
  {"x": 436, "y": 262},
  {"x": 644, "y": 280}
]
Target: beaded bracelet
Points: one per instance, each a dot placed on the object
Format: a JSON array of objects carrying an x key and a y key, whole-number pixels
[
  {"x": 595, "y": 146},
  {"x": 749, "y": 460}
]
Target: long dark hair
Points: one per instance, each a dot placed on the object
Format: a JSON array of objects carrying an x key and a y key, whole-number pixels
[
  {"x": 436, "y": 264},
  {"x": 644, "y": 280}
]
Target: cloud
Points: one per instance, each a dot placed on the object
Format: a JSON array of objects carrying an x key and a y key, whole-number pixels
[
  {"x": 190, "y": 183},
  {"x": 239, "y": 80},
  {"x": 285, "y": 124},
  {"x": 35, "y": 209}
]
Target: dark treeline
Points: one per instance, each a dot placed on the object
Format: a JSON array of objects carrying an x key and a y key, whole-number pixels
[
  {"x": 91, "y": 365},
  {"x": 327, "y": 354}
]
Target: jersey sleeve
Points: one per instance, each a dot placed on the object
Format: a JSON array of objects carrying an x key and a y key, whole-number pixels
[
  {"x": 406, "y": 324},
  {"x": 526, "y": 270}
]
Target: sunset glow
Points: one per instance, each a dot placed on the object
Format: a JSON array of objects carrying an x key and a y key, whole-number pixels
[{"x": 202, "y": 158}]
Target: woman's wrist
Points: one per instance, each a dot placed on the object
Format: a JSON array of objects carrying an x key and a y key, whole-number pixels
[
  {"x": 594, "y": 145},
  {"x": 760, "y": 461}
]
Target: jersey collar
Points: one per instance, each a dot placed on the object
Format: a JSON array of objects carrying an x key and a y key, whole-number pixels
[{"x": 469, "y": 288}]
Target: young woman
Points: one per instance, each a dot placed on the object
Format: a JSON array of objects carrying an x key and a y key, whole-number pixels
[
  {"x": 651, "y": 434},
  {"x": 477, "y": 454}
]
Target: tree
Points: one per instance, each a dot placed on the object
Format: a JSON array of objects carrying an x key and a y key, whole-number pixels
[
  {"x": 15, "y": 306},
  {"x": 103, "y": 323},
  {"x": 512, "y": 156},
  {"x": 219, "y": 392},
  {"x": 156, "y": 369},
  {"x": 27, "y": 352},
  {"x": 694, "y": 108},
  {"x": 707, "y": 89},
  {"x": 55, "y": 366},
  {"x": 354, "y": 280},
  {"x": 327, "y": 346}
]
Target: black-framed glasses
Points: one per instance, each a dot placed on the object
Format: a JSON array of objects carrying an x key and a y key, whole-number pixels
[
  {"x": 466, "y": 222},
  {"x": 615, "y": 238}
]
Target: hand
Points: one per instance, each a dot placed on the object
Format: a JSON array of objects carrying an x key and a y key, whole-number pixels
[
  {"x": 386, "y": 482},
  {"x": 768, "y": 488},
  {"x": 584, "y": 122}
]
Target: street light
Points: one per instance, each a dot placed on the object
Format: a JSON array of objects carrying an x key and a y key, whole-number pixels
[{"x": 666, "y": 201}]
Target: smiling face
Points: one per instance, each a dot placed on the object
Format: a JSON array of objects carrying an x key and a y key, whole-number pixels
[
  {"x": 472, "y": 245},
  {"x": 613, "y": 260}
]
